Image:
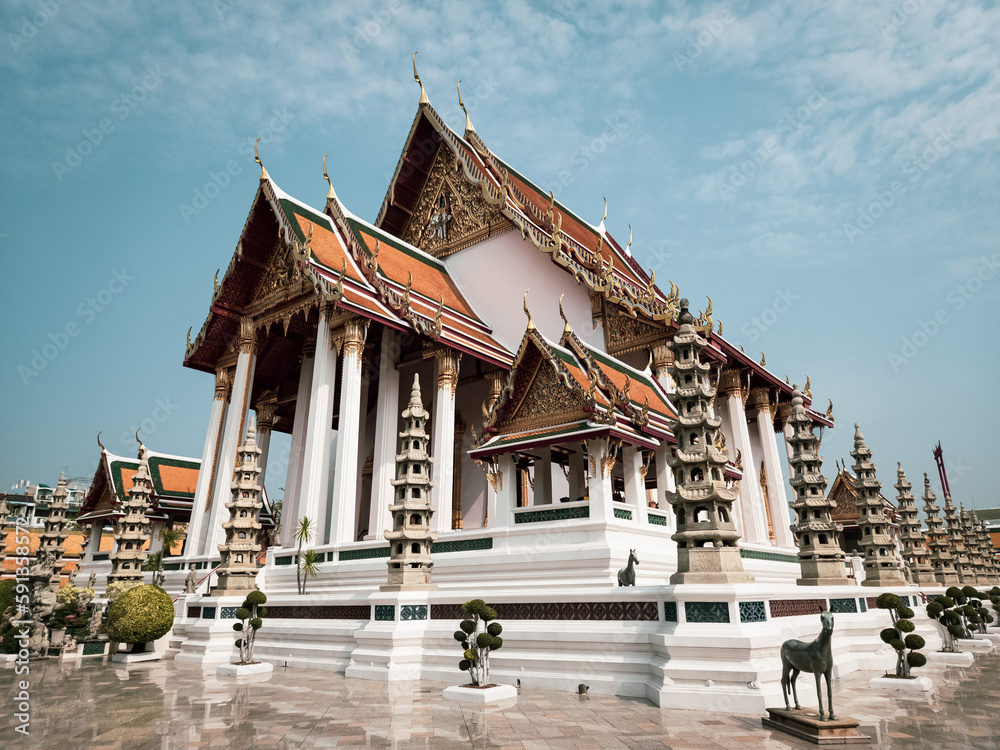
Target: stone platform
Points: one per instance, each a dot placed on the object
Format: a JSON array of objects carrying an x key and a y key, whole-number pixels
[{"x": 806, "y": 724}]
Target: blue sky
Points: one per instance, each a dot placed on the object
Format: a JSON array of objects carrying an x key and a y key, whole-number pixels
[{"x": 826, "y": 171}]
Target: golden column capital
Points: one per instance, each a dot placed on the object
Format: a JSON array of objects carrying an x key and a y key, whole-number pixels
[{"x": 223, "y": 384}]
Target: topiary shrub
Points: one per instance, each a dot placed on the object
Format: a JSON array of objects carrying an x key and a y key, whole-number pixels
[
  {"x": 141, "y": 615},
  {"x": 478, "y": 643},
  {"x": 250, "y": 617},
  {"x": 942, "y": 610},
  {"x": 6, "y": 594},
  {"x": 901, "y": 636}
]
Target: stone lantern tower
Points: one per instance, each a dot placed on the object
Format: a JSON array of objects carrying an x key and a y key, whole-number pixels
[
  {"x": 706, "y": 535},
  {"x": 4, "y": 512},
  {"x": 411, "y": 537},
  {"x": 957, "y": 543},
  {"x": 133, "y": 529},
  {"x": 820, "y": 557},
  {"x": 53, "y": 538},
  {"x": 882, "y": 565},
  {"x": 977, "y": 565},
  {"x": 915, "y": 554},
  {"x": 238, "y": 569},
  {"x": 937, "y": 540},
  {"x": 991, "y": 565}
]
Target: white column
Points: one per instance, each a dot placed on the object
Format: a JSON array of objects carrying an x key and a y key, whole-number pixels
[
  {"x": 502, "y": 515},
  {"x": 576, "y": 476},
  {"x": 345, "y": 478},
  {"x": 751, "y": 499},
  {"x": 386, "y": 436},
  {"x": 236, "y": 420},
  {"x": 155, "y": 543},
  {"x": 600, "y": 483},
  {"x": 543, "y": 477},
  {"x": 780, "y": 521},
  {"x": 94, "y": 545},
  {"x": 635, "y": 492},
  {"x": 316, "y": 461},
  {"x": 203, "y": 487},
  {"x": 665, "y": 483},
  {"x": 443, "y": 437},
  {"x": 297, "y": 449}
]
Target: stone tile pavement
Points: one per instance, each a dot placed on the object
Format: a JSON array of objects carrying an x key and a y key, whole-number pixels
[{"x": 169, "y": 706}]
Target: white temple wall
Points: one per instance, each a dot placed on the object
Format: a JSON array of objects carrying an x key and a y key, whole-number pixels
[
  {"x": 497, "y": 295},
  {"x": 469, "y": 405}
]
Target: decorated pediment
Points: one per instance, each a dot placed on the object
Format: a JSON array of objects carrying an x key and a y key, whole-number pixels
[
  {"x": 546, "y": 400},
  {"x": 626, "y": 333},
  {"x": 451, "y": 213}
]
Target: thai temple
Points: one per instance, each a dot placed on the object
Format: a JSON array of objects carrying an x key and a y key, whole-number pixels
[{"x": 460, "y": 431}]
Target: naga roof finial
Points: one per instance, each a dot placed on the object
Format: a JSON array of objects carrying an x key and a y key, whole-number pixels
[
  {"x": 142, "y": 448},
  {"x": 256, "y": 157},
  {"x": 468, "y": 120},
  {"x": 567, "y": 328},
  {"x": 103, "y": 449},
  {"x": 330, "y": 195},
  {"x": 423, "y": 94},
  {"x": 531, "y": 323},
  {"x": 628, "y": 246},
  {"x": 601, "y": 225},
  {"x": 808, "y": 388}
]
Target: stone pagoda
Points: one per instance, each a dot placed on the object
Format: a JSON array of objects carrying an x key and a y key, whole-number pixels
[
  {"x": 991, "y": 566},
  {"x": 882, "y": 564},
  {"x": 820, "y": 557},
  {"x": 133, "y": 528},
  {"x": 937, "y": 540},
  {"x": 706, "y": 535},
  {"x": 410, "y": 540},
  {"x": 916, "y": 557},
  {"x": 238, "y": 569},
  {"x": 4, "y": 512},
  {"x": 956, "y": 540},
  {"x": 970, "y": 539},
  {"x": 52, "y": 543}
]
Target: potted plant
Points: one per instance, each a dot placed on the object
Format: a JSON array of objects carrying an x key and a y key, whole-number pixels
[
  {"x": 251, "y": 620},
  {"x": 141, "y": 615},
  {"x": 942, "y": 611},
  {"x": 478, "y": 636},
  {"x": 901, "y": 636}
]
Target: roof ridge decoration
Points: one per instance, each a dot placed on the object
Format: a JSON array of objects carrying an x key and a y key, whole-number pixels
[
  {"x": 620, "y": 398},
  {"x": 423, "y": 94}
]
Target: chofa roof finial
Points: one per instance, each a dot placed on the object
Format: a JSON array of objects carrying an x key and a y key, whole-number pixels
[
  {"x": 256, "y": 157},
  {"x": 423, "y": 94}
]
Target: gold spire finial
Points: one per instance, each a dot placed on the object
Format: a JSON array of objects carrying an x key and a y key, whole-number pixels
[
  {"x": 468, "y": 120},
  {"x": 531, "y": 323},
  {"x": 629, "y": 245},
  {"x": 256, "y": 157},
  {"x": 142, "y": 448},
  {"x": 605, "y": 212},
  {"x": 763, "y": 360},
  {"x": 103, "y": 449},
  {"x": 567, "y": 328},
  {"x": 330, "y": 195},
  {"x": 808, "y": 388},
  {"x": 423, "y": 94},
  {"x": 829, "y": 410}
]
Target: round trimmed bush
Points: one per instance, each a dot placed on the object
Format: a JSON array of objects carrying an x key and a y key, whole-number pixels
[
  {"x": 464, "y": 665},
  {"x": 468, "y": 626},
  {"x": 970, "y": 592},
  {"x": 256, "y": 597},
  {"x": 897, "y": 644},
  {"x": 905, "y": 626},
  {"x": 888, "y": 601},
  {"x": 945, "y": 601},
  {"x": 953, "y": 592},
  {"x": 243, "y": 613},
  {"x": 495, "y": 628},
  {"x": 140, "y": 615},
  {"x": 916, "y": 660},
  {"x": 934, "y": 609},
  {"x": 957, "y": 631},
  {"x": 904, "y": 612},
  {"x": 460, "y": 636},
  {"x": 888, "y": 635},
  {"x": 914, "y": 641}
]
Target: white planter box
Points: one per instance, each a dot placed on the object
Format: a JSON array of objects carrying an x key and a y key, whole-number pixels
[
  {"x": 8, "y": 658},
  {"x": 244, "y": 670},
  {"x": 136, "y": 658},
  {"x": 960, "y": 659},
  {"x": 993, "y": 638},
  {"x": 479, "y": 695},
  {"x": 974, "y": 645},
  {"x": 916, "y": 685}
]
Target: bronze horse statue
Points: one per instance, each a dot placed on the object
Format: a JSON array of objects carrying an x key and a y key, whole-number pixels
[
  {"x": 815, "y": 657},
  {"x": 626, "y": 576}
]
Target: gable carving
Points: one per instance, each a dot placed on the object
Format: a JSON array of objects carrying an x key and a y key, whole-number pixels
[
  {"x": 451, "y": 213},
  {"x": 547, "y": 402},
  {"x": 626, "y": 334}
]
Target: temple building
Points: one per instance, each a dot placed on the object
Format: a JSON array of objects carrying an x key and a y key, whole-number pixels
[{"x": 320, "y": 313}]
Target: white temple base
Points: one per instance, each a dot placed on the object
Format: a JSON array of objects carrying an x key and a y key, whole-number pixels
[
  {"x": 244, "y": 670},
  {"x": 952, "y": 659},
  {"x": 6, "y": 659},
  {"x": 993, "y": 638},
  {"x": 136, "y": 658},
  {"x": 975, "y": 645},
  {"x": 498, "y": 694},
  {"x": 915, "y": 685}
]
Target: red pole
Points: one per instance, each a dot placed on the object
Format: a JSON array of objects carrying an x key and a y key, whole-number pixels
[{"x": 942, "y": 473}]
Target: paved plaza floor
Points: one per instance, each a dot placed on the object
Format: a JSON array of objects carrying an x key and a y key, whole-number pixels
[{"x": 169, "y": 706}]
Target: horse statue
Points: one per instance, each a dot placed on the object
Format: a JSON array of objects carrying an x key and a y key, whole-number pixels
[
  {"x": 626, "y": 576},
  {"x": 815, "y": 657}
]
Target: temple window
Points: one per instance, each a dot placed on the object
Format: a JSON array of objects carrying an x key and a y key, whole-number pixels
[
  {"x": 822, "y": 538},
  {"x": 415, "y": 492},
  {"x": 805, "y": 539},
  {"x": 415, "y": 548},
  {"x": 701, "y": 514},
  {"x": 723, "y": 516},
  {"x": 697, "y": 475},
  {"x": 416, "y": 468},
  {"x": 399, "y": 549},
  {"x": 238, "y": 558},
  {"x": 415, "y": 519},
  {"x": 242, "y": 535}
]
